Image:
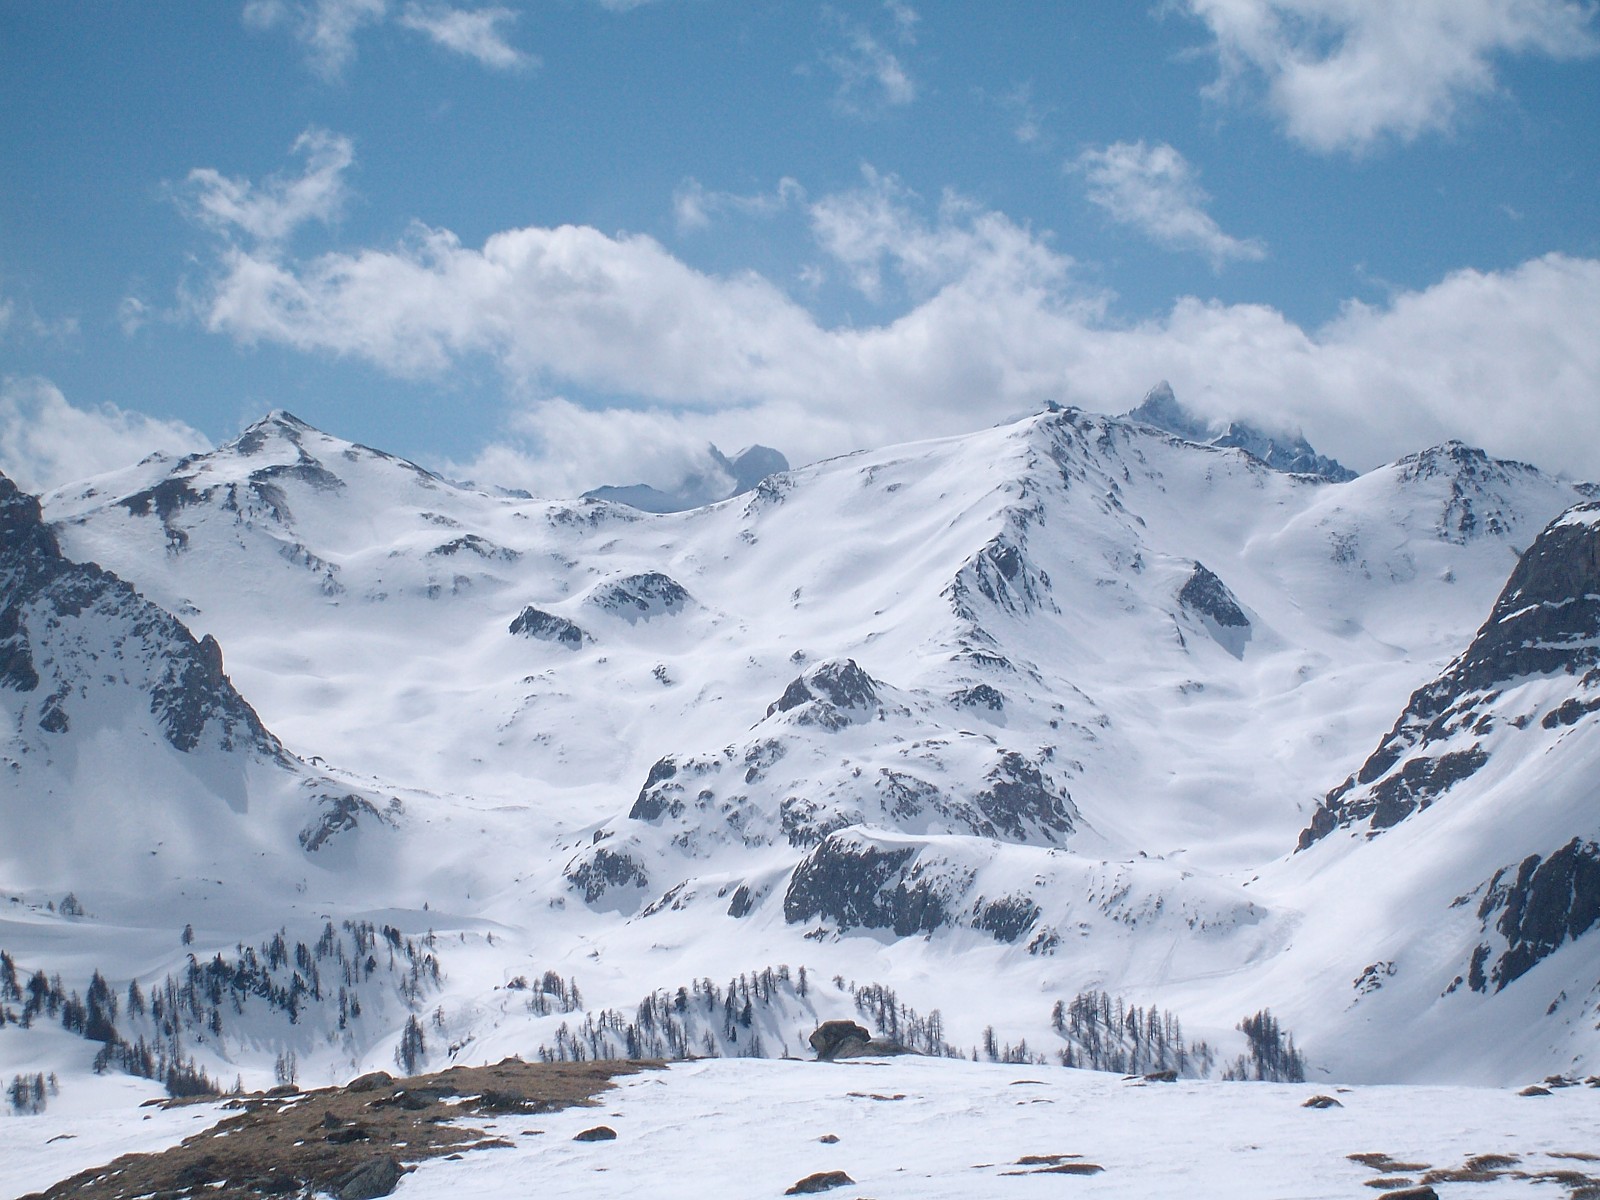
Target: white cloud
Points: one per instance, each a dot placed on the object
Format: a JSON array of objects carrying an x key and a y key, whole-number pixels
[
  {"x": 1346, "y": 74},
  {"x": 694, "y": 207},
  {"x": 986, "y": 319},
  {"x": 474, "y": 33},
  {"x": 1154, "y": 190},
  {"x": 328, "y": 29},
  {"x": 871, "y": 74},
  {"x": 19, "y": 319},
  {"x": 46, "y": 442},
  {"x": 271, "y": 211}
]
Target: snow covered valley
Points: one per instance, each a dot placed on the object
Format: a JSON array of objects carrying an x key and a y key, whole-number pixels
[{"x": 1068, "y": 742}]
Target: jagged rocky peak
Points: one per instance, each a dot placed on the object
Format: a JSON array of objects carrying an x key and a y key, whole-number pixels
[
  {"x": 1546, "y": 622},
  {"x": 839, "y": 691},
  {"x": 1287, "y": 452},
  {"x": 721, "y": 479},
  {"x": 1160, "y": 408},
  {"x": 548, "y": 627}
]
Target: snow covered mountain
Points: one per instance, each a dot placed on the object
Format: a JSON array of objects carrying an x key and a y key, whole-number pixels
[
  {"x": 999, "y": 719},
  {"x": 134, "y": 772}
]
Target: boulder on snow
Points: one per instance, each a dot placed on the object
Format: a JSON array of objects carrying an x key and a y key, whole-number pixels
[
  {"x": 822, "y": 1181},
  {"x": 834, "y": 1040}
]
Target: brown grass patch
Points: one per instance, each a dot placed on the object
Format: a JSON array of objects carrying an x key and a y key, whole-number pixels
[
  {"x": 287, "y": 1144},
  {"x": 1389, "y": 1166}
]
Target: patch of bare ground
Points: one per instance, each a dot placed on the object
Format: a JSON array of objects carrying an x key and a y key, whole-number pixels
[
  {"x": 1055, "y": 1164},
  {"x": 350, "y": 1142},
  {"x": 1389, "y": 1166}
]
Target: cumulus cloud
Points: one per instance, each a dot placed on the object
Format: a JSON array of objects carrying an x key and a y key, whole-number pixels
[
  {"x": 1343, "y": 75},
  {"x": 1154, "y": 189},
  {"x": 985, "y": 319},
  {"x": 872, "y": 75},
  {"x": 475, "y": 33},
  {"x": 328, "y": 29},
  {"x": 270, "y": 211},
  {"x": 46, "y": 441}
]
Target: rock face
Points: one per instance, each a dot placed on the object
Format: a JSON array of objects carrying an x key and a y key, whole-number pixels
[
  {"x": 1536, "y": 908},
  {"x": 56, "y": 614},
  {"x": 640, "y": 597},
  {"x": 1546, "y": 622},
  {"x": 1207, "y": 596},
  {"x": 841, "y": 692},
  {"x": 547, "y": 627}
]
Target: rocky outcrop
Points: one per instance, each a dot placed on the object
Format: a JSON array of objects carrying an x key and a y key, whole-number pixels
[
  {"x": 1536, "y": 907},
  {"x": 1545, "y": 622},
  {"x": 839, "y": 693},
  {"x": 833, "y": 1040},
  {"x": 56, "y": 611},
  {"x": 548, "y": 627},
  {"x": 640, "y": 597}
]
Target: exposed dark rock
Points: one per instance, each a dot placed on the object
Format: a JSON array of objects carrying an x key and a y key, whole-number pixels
[
  {"x": 1007, "y": 918},
  {"x": 741, "y": 904},
  {"x": 536, "y": 623},
  {"x": 827, "y": 1038},
  {"x": 1548, "y": 903},
  {"x": 1535, "y": 1089},
  {"x": 1569, "y": 712},
  {"x": 600, "y": 1133},
  {"x": 1322, "y": 1102},
  {"x": 471, "y": 543},
  {"x": 1019, "y": 796},
  {"x": 841, "y": 691},
  {"x": 1207, "y": 596},
  {"x": 372, "y": 1082},
  {"x": 979, "y": 696},
  {"x": 339, "y": 814},
  {"x": 190, "y": 697},
  {"x": 829, "y": 1139},
  {"x": 377, "y": 1178},
  {"x": 1424, "y": 1192},
  {"x": 858, "y": 885},
  {"x": 822, "y": 1181},
  {"x": 604, "y": 870},
  {"x": 640, "y": 597},
  {"x": 659, "y": 796},
  {"x": 1546, "y": 621}
]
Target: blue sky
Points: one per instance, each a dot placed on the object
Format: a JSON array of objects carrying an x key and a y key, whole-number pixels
[{"x": 564, "y": 242}]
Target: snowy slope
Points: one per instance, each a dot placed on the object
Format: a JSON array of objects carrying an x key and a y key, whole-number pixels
[
  {"x": 1453, "y": 877},
  {"x": 995, "y": 719},
  {"x": 134, "y": 772}
]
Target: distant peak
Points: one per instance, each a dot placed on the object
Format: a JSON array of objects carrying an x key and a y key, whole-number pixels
[
  {"x": 1289, "y": 453},
  {"x": 1161, "y": 409}
]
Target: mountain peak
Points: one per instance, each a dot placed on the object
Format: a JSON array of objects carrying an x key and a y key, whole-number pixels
[
  {"x": 726, "y": 478},
  {"x": 1290, "y": 453},
  {"x": 1160, "y": 408}
]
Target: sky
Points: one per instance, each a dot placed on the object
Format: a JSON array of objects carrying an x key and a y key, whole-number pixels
[{"x": 550, "y": 244}]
